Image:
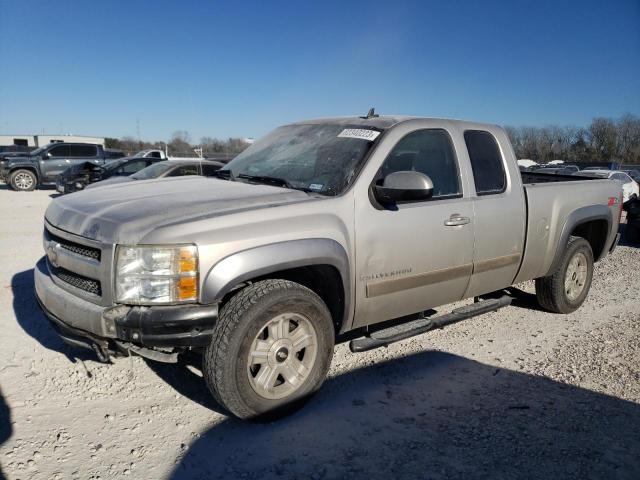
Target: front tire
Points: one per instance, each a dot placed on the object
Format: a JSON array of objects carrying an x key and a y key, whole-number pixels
[
  {"x": 23, "y": 180},
  {"x": 271, "y": 349},
  {"x": 566, "y": 289}
]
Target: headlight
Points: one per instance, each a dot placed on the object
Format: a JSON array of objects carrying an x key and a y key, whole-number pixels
[{"x": 156, "y": 274}]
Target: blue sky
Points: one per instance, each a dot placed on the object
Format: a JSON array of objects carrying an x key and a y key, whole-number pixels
[{"x": 241, "y": 68}]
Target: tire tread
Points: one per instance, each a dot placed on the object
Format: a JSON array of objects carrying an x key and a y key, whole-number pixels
[{"x": 229, "y": 319}]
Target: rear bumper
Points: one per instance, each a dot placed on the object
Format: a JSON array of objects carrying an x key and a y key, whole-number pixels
[{"x": 83, "y": 323}]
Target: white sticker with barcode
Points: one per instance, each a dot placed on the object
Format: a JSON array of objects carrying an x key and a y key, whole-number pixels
[{"x": 361, "y": 133}]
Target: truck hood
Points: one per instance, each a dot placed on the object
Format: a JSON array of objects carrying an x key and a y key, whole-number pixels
[
  {"x": 21, "y": 157},
  {"x": 13, "y": 155},
  {"x": 125, "y": 213}
]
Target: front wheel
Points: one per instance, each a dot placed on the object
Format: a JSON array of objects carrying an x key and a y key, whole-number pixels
[
  {"x": 23, "y": 180},
  {"x": 271, "y": 349},
  {"x": 567, "y": 288}
]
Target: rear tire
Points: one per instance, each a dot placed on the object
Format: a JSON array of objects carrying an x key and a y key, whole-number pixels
[
  {"x": 271, "y": 349},
  {"x": 567, "y": 288},
  {"x": 23, "y": 180}
]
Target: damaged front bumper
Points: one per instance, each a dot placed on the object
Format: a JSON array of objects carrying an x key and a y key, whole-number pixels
[{"x": 158, "y": 332}]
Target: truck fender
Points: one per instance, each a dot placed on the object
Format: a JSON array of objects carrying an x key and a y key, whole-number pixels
[
  {"x": 575, "y": 218},
  {"x": 256, "y": 262}
]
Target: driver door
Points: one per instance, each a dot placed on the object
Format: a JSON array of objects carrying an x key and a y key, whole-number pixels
[
  {"x": 415, "y": 255},
  {"x": 54, "y": 162}
]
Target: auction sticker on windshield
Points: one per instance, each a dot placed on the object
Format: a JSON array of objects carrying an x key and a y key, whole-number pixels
[{"x": 361, "y": 133}]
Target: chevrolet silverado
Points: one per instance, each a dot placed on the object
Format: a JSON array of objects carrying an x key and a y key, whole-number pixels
[{"x": 323, "y": 227}]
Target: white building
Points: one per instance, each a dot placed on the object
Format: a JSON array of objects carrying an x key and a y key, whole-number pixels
[{"x": 42, "y": 140}]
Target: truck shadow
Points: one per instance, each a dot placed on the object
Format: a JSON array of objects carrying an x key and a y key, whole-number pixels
[
  {"x": 430, "y": 415},
  {"x": 182, "y": 378},
  {"x": 6, "y": 429},
  {"x": 33, "y": 322}
]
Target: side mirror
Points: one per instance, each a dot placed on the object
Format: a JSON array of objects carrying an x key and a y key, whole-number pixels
[
  {"x": 403, "y": 186},
  {"x": 46, "y": 155}
]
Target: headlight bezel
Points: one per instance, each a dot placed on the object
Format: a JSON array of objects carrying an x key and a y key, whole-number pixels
[{"x": 142, "y": 300}]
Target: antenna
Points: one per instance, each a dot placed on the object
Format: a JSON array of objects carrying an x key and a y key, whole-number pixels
[{"x": 371, "y": 113}]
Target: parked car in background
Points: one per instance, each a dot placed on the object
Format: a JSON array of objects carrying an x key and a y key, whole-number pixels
[
  {"x": 79, "y": 176},
  {"x": 165, "y": 169},
  {"x": 150, "y": 153},
  {"x": 629, "y": 185},
  {"x": 318, "y": 229},
  {"x": 556, "y": 170},
  {"x": 42, "y": 166},
  {"x": 635, "y": 174}
]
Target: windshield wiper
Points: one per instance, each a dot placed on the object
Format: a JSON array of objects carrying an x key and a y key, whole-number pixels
[
  {"x": 279, "y": 182},
  {"x": 224, "y": 175}
]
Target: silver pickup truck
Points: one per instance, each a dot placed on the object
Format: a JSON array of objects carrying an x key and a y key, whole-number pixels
[{"x": 322, "y": 227}]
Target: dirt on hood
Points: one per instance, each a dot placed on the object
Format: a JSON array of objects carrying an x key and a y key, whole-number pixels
[{"x": 124, "y": 213}]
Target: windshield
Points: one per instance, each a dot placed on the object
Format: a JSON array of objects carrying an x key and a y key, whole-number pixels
[
  {"x": 113, "y": 164},
  {"x": 318, "y": 158},
  {"x": 152, "y": 171},
  {"x": 37, "y": 151}
]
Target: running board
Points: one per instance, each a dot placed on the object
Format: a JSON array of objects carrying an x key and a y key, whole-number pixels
[{"x": 384, "y": 337}]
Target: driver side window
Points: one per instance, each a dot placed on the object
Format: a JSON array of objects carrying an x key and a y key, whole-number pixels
[
  {"x": 61, "y": 151},
  {"x": 428, "y": 151}
]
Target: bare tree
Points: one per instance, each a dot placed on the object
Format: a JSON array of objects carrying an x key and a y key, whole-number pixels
[{"x": 603, "y": 140}]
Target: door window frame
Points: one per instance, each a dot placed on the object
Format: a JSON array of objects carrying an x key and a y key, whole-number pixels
[
  {"x": 505, "y": 170},
  {"x": 59, "y": 147},
  {"x": 456, "y": 159}
]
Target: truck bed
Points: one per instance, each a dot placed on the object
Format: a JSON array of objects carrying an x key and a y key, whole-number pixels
[
  {"x": 550, "y": 199},
  {"x": 538, "y": 177}
]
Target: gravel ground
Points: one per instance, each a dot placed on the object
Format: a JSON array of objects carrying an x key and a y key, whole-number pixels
[{"x": 519, "y": 393}]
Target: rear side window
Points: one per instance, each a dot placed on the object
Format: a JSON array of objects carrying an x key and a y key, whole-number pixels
[
  {"x": 79, "y": 151},
  {"x": 486, "y": 162},
  {"x": 184, "y": 170}
]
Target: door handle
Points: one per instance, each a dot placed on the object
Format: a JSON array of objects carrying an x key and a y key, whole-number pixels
[{"x": 456, "y": 220}]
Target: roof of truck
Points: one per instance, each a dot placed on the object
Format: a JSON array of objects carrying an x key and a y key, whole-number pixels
[{"x": 382, "y": 122}]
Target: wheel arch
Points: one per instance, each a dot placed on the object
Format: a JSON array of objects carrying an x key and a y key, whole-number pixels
[
  {"x": 319, "y": 264},
  {"x": 593, "y": 223},
  {"x": 30, "y": 168}
]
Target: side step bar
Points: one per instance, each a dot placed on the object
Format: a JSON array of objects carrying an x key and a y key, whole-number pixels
[{"x": 382, "y": 338}]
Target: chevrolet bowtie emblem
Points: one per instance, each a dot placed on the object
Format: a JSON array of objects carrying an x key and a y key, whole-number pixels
[{"x": 52, "y": 253}]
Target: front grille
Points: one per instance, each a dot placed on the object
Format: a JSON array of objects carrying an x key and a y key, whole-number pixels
[
  {"x": 78, "y": 281},
  {"x": 76, "y": 248}
]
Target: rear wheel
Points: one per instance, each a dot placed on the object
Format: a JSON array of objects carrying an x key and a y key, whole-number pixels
[
  {"x": 271, "y": 349},
  {"x": 566, "y": 289},
  {"x": 23, "y": 180}
]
